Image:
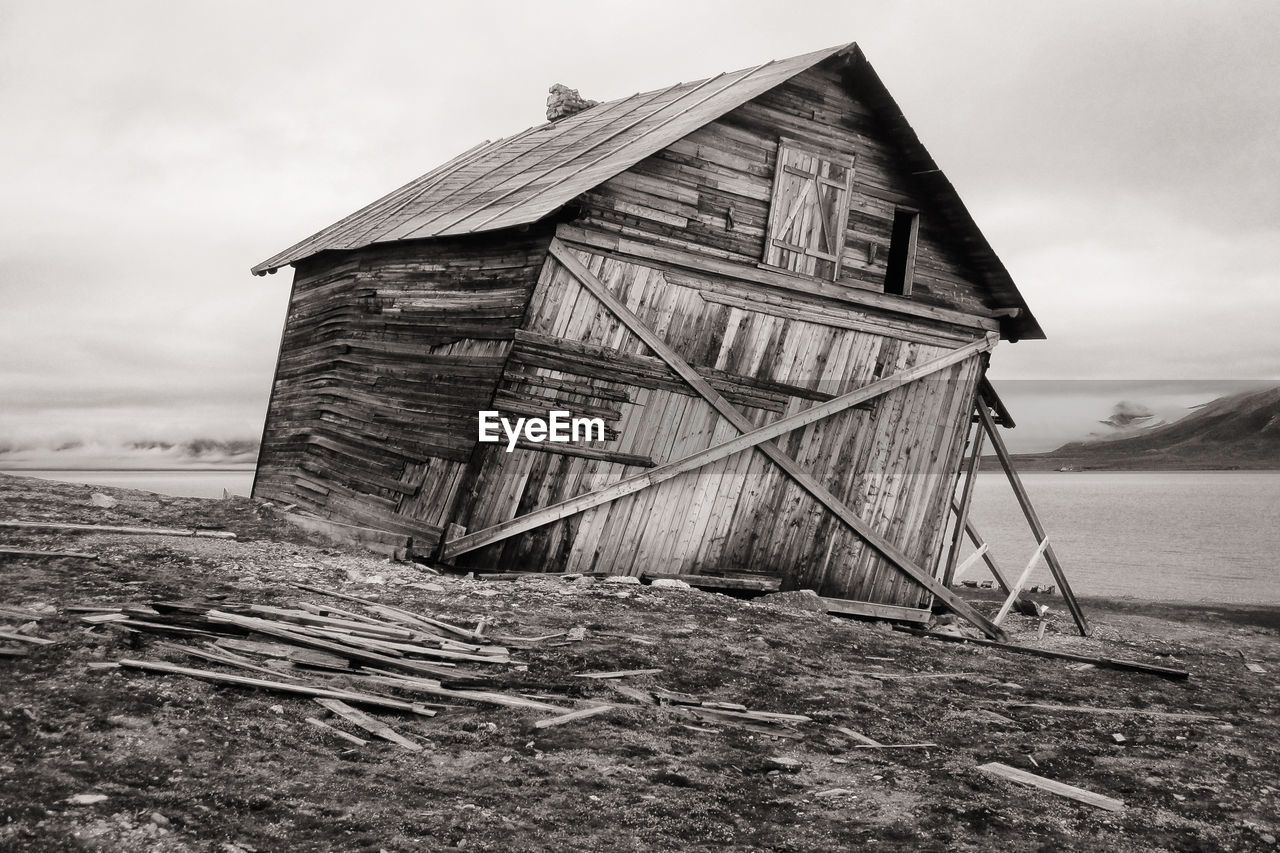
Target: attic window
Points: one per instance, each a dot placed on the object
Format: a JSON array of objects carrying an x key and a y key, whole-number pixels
[
  {"x": 900, "y": 269},
  {"x": 807, "y": 219}
]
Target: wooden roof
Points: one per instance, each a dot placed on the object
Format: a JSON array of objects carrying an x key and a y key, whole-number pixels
[{"x": 522, "y": 178}]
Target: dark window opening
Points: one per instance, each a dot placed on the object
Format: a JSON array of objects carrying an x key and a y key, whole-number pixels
[{"x": 901, "y": 266}]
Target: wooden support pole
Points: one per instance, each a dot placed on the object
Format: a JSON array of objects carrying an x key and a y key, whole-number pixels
[
  {"x": 761, "y": 439},
  {"x": 1024, "y": 501},
  {"x": 962, "y": 514},
  {"x": 985, "y": 551},
  {"x": 1016, "y": 590},
  {"x": 971, "y": 559}
]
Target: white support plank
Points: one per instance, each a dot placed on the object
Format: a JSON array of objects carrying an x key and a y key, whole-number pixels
[{"x": 1021, "y": 581}]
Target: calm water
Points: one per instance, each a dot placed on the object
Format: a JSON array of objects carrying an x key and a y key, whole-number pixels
[
  {"x": 1177, "y": 536},
  {"x": 195, "y": 484},
  {"x": 1170, "y": 535}
]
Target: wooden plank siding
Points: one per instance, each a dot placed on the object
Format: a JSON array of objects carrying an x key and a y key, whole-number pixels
[
  {"x": 891, "y": 461},
  {"x": 718, "y": 181},
  {"x": 387, "y": 355},
  {"x": 391, "y": 350}
]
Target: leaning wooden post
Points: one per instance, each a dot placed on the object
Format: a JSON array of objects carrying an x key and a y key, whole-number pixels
[
  {"x": 1024, "y": 501},
  {"x": 962, "y": 514}
]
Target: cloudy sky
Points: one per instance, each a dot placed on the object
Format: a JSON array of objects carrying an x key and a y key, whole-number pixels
[{"x": 1121, "y": 158}]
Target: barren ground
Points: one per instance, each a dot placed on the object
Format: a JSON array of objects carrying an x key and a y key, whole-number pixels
[{"x": 190, "y": 766}]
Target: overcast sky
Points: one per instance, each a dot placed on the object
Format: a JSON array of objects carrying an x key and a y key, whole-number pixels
[{"x": 1120, "y": 157}]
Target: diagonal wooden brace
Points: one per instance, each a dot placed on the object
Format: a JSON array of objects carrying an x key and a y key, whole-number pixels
[
  {"x": 760, "y": 439},
  {"x": 1033, "y": 519}
]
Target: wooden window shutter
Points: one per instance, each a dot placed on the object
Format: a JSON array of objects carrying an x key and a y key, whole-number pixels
[{"x": 809, "y": 212}]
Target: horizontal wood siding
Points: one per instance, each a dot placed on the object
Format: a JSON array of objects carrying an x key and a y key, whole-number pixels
[
  {"x": 893, "y": 461},
  {"x": 387, "y": 355},
  {"x": 710, "y": 192}
]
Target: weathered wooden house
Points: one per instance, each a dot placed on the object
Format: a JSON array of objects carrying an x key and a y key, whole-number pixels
[{"x": 760, "y": 282}]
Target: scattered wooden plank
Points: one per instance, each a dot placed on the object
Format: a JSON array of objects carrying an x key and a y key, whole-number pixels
[
  {"x": 719, "y": 582},
  {"x": 24, "y": 638},
  {"x": 17, "y": 613},
  {"x": 434, "y": 688},
  {"x": 280, "y": 687},
  {"x": 895, "y": 677},
  {"x": 323, "y": 726},
  {"x": 621, "y": 673},
  {"x": 1089, "y": 709},
  {"x": 1062, "y": 789},
  {"x": 105, "y": 528},
  {"x": 12, "y": 652},
  {"x": 1105, "y": 663},
  {"x": 369, "y": 724},
  {"x": 895, "y": 746},
  {"x": 858, "y": 736},
  {"x": 19, "y": 552},
  {"x": 644, "y": 697},
  {"x": 227, "y": 660},
  {"x": 580, "y": 714},
  {"x": 99, "y": 618},
  {"x": 870, "y": 609}
]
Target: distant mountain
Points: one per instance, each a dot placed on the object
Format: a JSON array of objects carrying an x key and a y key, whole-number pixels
[{"x": 1238, "y": 431}]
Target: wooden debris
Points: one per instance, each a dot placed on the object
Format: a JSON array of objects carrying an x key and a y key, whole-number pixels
[
  {"x": 580, "y": 714},
  {"x": 104, "y": 528},
  {"x": 369, "y": 724},
  {"x": 858, "y": 736},
  {"x": 644, "y": 697},
  {"x": 1022, "y": 777},
  {"x": 1089, "y": 709},
  {"x": 323, "y": 726},
  {"x": 25, "y": 638},
  {"x": 621, "y": 673},
  {"x": 19, "y": 552},
  {"x": 22, "y": 615},
  {"x": 228, "y": 660},
  {"x": 280, "y": 687},
  {"x": 99, "y": 618},
  {"x": 12, "y": 652},
  {"x": 1102, "y": 663},
  {"x": 895, "y": 746}
]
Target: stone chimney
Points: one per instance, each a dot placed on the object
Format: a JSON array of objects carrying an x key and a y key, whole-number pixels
[{"x": 564, "y": 101}]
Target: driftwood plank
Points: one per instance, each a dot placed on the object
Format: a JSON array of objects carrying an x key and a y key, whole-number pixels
[
  {"x": 19, "y": 552},
  {"x": 580, "y": 714},
  {"x": 1137, "y": 712},
  {"x": 23, "y": 638},
  {"x": 104, "y": 528},
  {"x": 322, "y": 725},
  {"x": 279, "y": 687},
  {"x": 620, "y": 673},
  {"x": 369, "y": 724},
  {"x": 1104, "y": 663},
  {"x": 1062, "y": 789}
]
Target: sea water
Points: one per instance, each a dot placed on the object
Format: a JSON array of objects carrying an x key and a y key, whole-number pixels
[
  {"x": 1166, "y": 536},
  {"x": 1156, "y": 535}
]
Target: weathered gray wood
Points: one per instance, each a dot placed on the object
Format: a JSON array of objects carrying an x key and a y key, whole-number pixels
[
  {"x": 580, "y": 714},
  {"x": 277, "y": 686},
  {"x": 962, "y": 514},
  {"x": 719, "y": 451},
  {"x": 1033, "y": 519},
  {"x": 19, "y": 552},
  {"x": 1062, "y": 789},
  {"x": 106, "y": 528},
  {"x": 369, "y": 724},
  {"x": 877, "y": 611}
]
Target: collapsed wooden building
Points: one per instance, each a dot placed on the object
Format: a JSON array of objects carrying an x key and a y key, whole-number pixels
[{"x": 760, "y": 283}]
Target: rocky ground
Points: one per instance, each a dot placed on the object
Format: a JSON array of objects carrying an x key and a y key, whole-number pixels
[{"x": 113, "y": 760}]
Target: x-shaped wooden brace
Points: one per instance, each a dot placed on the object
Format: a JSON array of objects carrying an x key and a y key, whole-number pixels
[{"x": 759, "y": 438}]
